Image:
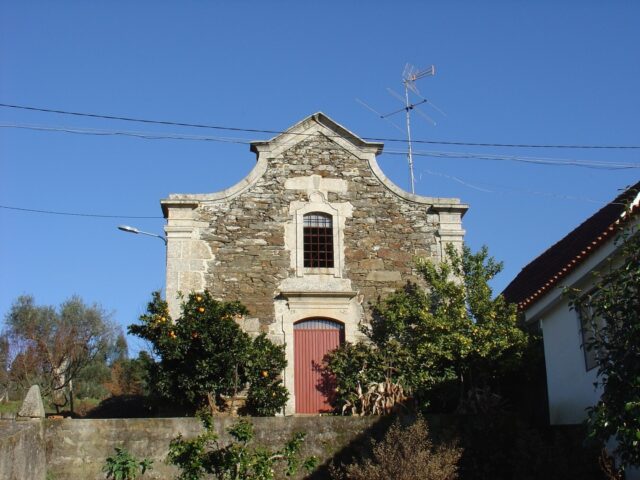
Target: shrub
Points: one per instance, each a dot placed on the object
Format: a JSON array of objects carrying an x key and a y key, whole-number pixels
[
  {"x": 405, "y": 454},
  {"x": 124, "y": 466},
  {"x": 124, "y": 406},
  {"x": 439, "y": 344},
  {"x": 129, "y": 376},
  {"x": 205, "y": 457}
]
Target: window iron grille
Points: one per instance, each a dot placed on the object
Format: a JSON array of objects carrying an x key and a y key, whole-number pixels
[{"x": 318, "y": 240}]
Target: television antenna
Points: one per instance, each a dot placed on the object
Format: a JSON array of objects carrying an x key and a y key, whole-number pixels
[{"x": 409, "y": 78}]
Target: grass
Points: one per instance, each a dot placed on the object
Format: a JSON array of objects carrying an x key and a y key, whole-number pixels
[
  {"x": 12, "y": 406},
  {"x": 82, "y": 406}
]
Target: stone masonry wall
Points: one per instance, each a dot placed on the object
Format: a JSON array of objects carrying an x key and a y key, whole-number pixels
[
  {"x": 77, "y": 449},
  {"x": 246, "y": 234},
  {"x": 22, "y": 452},
  {"x": 246, "y": 243}
]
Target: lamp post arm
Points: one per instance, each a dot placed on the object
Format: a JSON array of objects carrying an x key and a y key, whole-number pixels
[
  {"x": 164, "y": 239},
  {"x": 128, "y": 229}
]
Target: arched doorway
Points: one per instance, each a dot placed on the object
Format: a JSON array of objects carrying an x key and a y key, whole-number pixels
[{"x": 313, "y": 338}]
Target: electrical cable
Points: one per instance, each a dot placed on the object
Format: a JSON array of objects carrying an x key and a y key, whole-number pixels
[
  {"x": 143, "y": 135},
  {"x": 74, "y": 214},
  {"x": 600, "y": 165},
  {"x": 278, "y": 132},
  {"x": 509, "y": 189}
]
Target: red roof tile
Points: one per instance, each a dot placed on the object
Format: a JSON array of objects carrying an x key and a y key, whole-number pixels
[{"x": 560, "y": 259}]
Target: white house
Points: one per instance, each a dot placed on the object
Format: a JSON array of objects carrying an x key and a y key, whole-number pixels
[{"x": 538, "y": 291}]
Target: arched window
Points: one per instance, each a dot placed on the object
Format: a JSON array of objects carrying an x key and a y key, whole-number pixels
[{"x": 318, "y": 240}]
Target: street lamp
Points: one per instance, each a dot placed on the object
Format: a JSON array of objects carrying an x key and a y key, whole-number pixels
[{"x": 127, "y": 228}]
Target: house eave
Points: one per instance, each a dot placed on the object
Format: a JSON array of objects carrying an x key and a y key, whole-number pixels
[{"x": 529, "y": 287}]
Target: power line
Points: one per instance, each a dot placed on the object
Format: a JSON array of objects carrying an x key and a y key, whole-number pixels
[
  {"x": 429, "y": 172},
  {"x": 510, "y": 189},
  {"x": 139, "y": 120},
  {"x": 73, "y": 214},
  {"x": 599, "y": 165},
  {"x": 455, "y": 179},
  {"x": 277, "y": 132},
  {"x": 124, "y": 133}
]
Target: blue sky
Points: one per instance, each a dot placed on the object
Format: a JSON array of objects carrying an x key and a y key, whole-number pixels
[{"x": 520, "y": 72}]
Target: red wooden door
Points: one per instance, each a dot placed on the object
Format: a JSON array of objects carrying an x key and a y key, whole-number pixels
[{"x": 312, "y": 340}]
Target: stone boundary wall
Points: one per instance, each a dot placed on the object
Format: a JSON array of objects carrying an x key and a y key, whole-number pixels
[
  {"x": 22, "y": 453},
  {"x": 77, "y": 449}
]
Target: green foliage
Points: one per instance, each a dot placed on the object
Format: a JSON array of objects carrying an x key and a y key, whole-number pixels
[
  {"x": 5, "y": 381},
  {"x": 354, "y": 366},
  {"x": 119, "y": 351},
  {"x": 451, "y": 337},
  {"x": 51, "y": 347},
  {"x": 130, "y": 376},
  {"x": 124, "y": 466},
  {"x": 91, "y": 379},
  {"x": 205, "y": 457},
  {"x": 204, "y": 355},
  {"x": 405, "y": 454},
  {"x": 126, "y": 406},
  {"x": 616, "y": 302},
  {"x": 10, "y": 406},
  {"x": 96, "y": 379},
  {"x": 265, "y": 362}
]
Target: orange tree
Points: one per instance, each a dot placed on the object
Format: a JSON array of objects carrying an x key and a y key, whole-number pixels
[
  {"x": 204, "y": 355},
  {"x": 446, "y": 343}
]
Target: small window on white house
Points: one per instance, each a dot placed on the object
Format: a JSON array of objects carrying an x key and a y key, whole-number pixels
[
  {"x": 318, "y": 240},
  {"x": 590, "y": 327}
]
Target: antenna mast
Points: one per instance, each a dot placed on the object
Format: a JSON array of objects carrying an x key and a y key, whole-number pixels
[{"x": 409, "y": 78}]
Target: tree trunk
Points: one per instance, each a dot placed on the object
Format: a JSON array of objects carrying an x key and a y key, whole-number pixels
[{"x": 71, "y": 396}]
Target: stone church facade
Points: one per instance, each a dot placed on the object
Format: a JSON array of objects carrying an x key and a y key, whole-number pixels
[{"x": 311, "y": 236}]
